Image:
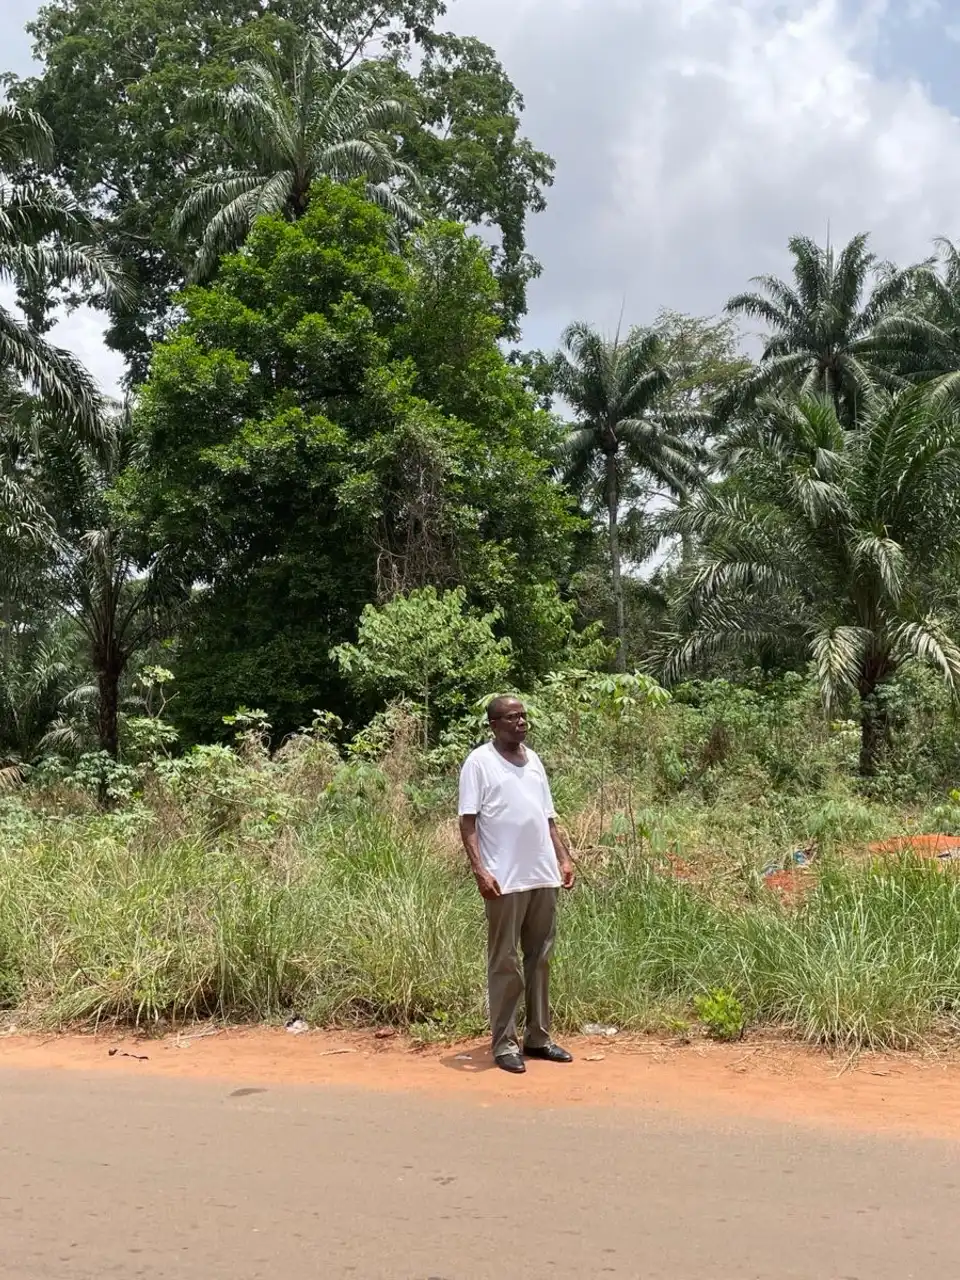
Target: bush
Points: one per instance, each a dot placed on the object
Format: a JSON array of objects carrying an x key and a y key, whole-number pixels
[
  {"x": 721, "y": 1013},
  {"x": 430, "y": 649}
]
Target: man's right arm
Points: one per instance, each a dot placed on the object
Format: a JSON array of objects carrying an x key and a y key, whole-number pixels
[
  {"x": 469, "y": 808},
  {"x": 486, "y": 883}
]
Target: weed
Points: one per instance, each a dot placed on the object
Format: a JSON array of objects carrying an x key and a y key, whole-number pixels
[{"x": 721, "y": 1013}]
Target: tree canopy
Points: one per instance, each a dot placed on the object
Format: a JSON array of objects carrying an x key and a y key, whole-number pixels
[
  {"x": 116, "y": 76},
  {"x": 828, "y": 538},
  {"x": 290, "y": 121},
  {"x": 833, "y": 331},
  {"x": 332, "y": 423}
]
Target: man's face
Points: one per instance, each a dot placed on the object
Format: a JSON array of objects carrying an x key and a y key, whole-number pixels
[{"x": 510, "y": 724}]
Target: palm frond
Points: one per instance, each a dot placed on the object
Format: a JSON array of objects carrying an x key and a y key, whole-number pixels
[
  {"x": 24, "y": 137},
  {"x": 838, "y": 655},
  {"x": 58, "y": 376},
  {"x": 886, "y": 558},
  {"x": 928, "y": 641}
]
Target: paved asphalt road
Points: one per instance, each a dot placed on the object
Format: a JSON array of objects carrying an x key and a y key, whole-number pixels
[{"x": 177, "y": 1180}]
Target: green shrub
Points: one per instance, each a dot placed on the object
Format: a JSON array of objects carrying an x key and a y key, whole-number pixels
[{"x": 721, "y": 1013}]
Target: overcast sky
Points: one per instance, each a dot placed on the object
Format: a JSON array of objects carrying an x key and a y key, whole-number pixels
[{"x": 694, "y": 136}]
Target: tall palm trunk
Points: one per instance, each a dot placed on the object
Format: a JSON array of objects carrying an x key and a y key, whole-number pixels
[
  {"x": 108, "y": 709},
  {"x": 106, "y": 651},
  {"x": 613, "y": 516},
  {"x": 108, "y": 721},
  {"x": 874, "y": 717}
]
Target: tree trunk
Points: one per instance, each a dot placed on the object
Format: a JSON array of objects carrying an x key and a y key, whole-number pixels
[
  {"x": 108, "y": 713},
  {"x": 108, "y": 721},
  {"x": 298, "y": 201},
  {"x": 613, "y": 514},
  {"x": 874, "y": 721}
]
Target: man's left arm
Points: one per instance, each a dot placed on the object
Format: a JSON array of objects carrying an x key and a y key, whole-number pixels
[{"x": 568, "y": 872}]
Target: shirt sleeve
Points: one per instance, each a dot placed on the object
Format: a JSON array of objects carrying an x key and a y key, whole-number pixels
[{"x": 471, "y": 788}]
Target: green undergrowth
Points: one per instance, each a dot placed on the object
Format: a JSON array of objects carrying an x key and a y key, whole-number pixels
[
  {"x": 370, "y": 918},
  {"x": 325, "y": 879}
]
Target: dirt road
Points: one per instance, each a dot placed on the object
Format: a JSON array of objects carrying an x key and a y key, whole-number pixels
[{"x": 144, "y": 1170}]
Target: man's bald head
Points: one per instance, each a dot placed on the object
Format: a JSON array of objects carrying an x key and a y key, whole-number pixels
[{"x": 503, "y": 706}]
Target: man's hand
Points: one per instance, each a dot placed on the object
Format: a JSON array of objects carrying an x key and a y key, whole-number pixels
[
  {"x": 568, "y": 872},
  {"x": 489, "y": 889}
]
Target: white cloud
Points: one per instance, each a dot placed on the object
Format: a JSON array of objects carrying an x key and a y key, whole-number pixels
[
  {"x": 694, "y": 136},
  {"x": 917, "y": 10},
  {"x": 82, "y": 332}
]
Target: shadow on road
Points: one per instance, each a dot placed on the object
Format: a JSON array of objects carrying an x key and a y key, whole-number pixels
[{"x": 469, "y": 1061}]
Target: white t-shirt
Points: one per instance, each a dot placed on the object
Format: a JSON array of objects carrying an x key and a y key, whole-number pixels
[{"x": 513, "y": 807}]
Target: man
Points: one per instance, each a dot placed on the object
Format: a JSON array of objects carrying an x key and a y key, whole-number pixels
[{"x": 509, "y": 830}]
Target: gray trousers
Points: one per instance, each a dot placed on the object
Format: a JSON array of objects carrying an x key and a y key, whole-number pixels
[{"x": 526, "y": 922}]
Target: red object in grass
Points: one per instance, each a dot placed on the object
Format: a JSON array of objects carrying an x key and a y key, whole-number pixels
[
  {"x": 943, "y": 848},
  {"x": 790, "y": 886}
]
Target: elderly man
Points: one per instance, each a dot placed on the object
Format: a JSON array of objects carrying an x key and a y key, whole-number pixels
[{"x": 509, "y": 830}]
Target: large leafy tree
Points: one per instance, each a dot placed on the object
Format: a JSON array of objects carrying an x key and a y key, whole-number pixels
[
  {"x": 116, "y": 75},
  {"x": 45, "y": 240},
  {"x": 616, "y": 388},
  {"x": 115, "y": 78},
  {"x": 832, "y": 331},
  {"x": 824, "y": 543},
  {"x": 290, "y": 121},
  {"x": 702, "y": 355},
  {"x": 333, "y": 424},
  {"x": 473, "y": 161}
]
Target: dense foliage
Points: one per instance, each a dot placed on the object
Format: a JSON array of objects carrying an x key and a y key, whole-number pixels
[
  {"x": 334, "y": 423},
  {"x": 334, "y": 489},
  {"x": 116, "y": 76}
]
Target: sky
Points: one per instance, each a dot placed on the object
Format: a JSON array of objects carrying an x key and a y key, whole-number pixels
[{"x": 693, "y": 137}]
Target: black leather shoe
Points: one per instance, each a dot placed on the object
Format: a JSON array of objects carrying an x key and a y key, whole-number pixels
[
  {"x": 549, "y": 1053},
  {"x": 511, "y": 1062}
]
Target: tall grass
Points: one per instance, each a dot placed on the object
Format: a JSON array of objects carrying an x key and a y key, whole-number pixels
[{"x": 363, "y": 918}]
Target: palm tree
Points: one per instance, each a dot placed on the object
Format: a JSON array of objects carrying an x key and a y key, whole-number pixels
[
  {"x": 27, "y": 530},
  {"x": 44, "y": 238},
  {"x": 620, "y": 437},
  {"x": 40, "y": 666},
  {"x": 117, "y": 606},
  {"x": 823, "y": 541},
  {"x": 68, "y": 555},
  {"x": 929, "y": 332},
  {"x": 291, "y": 121},
  {"x": 829, "y": 336}
]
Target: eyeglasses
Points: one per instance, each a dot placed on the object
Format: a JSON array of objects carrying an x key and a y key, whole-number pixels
[{"x": 514, "y": 717}]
